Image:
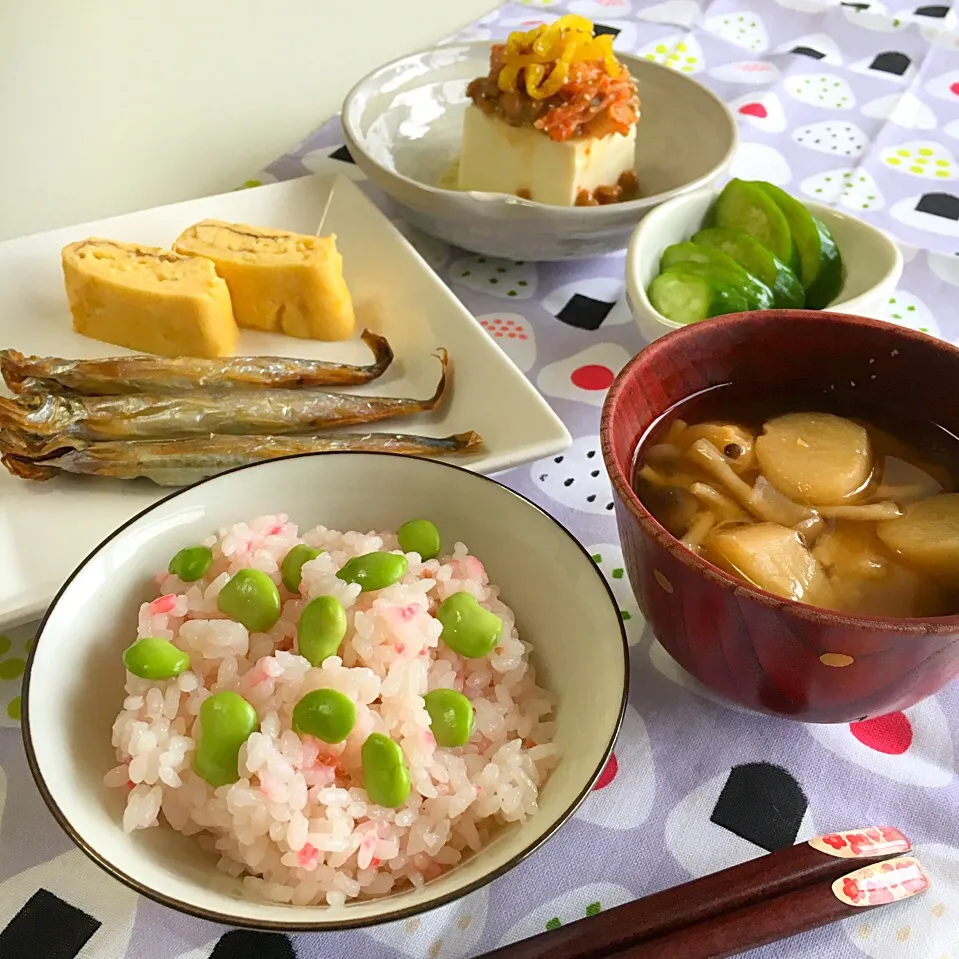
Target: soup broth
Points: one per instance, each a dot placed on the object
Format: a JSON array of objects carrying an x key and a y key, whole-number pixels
[{"x": 832, "y": 508}]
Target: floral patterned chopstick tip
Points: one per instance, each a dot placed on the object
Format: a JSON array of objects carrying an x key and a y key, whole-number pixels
[
  {"x": 882, "y": 882},
  {"x": 863, "y": 843}
]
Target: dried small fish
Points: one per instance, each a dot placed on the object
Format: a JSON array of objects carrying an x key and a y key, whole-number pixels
[
  {"x": 119, "y": 375},
  {"x": 34, "y": 423},
  {"x": 181, "y": 462}
]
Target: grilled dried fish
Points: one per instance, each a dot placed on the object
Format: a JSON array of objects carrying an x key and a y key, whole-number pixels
[
  {"x": 181, "y": 462},
  {"x": 119, "y": 375},
  {"x": 35, "y": 422}
]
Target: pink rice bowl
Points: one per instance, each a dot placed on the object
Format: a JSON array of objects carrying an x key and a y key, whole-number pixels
[{"x": 298, "y": 826}]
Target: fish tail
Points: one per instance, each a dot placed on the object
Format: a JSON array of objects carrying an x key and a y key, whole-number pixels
[
  {"x": 467, "y": 442},
  {"x": 381, "y": 350},
  {"x": 440, "y": 392},
  {"x": 26, "y": 468}
]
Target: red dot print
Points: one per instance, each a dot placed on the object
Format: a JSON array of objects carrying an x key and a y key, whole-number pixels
[
  {"x": 592, "y": 377},
  {"x": 512, "y": 336},
  {"x": 522, "y": 336},
  {"x": 890, "y": 734},
  {"x": 954, "y": 88},
  {"x": 754, "y": 110},
  {"x": 510, "y": 323},
  {"x": 498, "y": 333},
  {"x": 608, "y": 774}
]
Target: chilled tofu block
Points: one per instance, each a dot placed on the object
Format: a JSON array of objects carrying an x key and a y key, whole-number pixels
[
  {"x": 773, "y": 558},
  {"x": 500, "y": 158},
  {"x": 148, "y": 299},
  {"x": 280, "y": 282}
]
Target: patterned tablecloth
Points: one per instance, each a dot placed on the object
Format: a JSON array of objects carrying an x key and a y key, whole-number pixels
[{"x": 850, "y": 104}]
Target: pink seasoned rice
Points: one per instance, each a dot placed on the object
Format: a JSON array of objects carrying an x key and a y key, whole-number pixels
[{"x": 298, "y": 825}]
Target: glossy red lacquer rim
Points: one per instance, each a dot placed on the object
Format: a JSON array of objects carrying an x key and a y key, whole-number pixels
[{"x": 632, "y": 373}]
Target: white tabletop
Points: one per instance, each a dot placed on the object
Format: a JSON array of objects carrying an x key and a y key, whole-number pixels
[{"x": 110, "y": 106}]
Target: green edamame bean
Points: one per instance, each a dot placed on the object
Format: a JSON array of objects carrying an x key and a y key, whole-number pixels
[
  {"x": 374, "y": 570},
  {"x": 227, "y": 721},
  {"x": 153, "y": 658},
  {"x": 468, "y": 629},
  {"x": 451, "y": 717},
  {"x": 291, "y": 569},
  {"x": 419, "y": 536},
  {"x": 321, "y": 629},
  {"x": 251, "y": 598},
  {"x": 325, "y": 713},
  {"x": 191, "y": 563},
  {"x": 385, "y": 776}
]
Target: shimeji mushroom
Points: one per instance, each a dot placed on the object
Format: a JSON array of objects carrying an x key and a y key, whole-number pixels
[
  {"x": 718, "y": 503},
  {"x": 762, "y": 499},
  {"x": 734, "y": 442},
  {"x": 863, "y": 512}
]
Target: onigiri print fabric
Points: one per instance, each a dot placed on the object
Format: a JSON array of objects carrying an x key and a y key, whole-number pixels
[{"x": 852, "y": 104}]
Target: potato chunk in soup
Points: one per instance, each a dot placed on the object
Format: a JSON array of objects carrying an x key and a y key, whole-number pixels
[
  {"x": 927, "y": 537},
  {"x": 812, "y": 507},
  {"x": 815, "y": 458},
  {"x": 867, "y": 578},
  {"x": 772, "y": 557}
]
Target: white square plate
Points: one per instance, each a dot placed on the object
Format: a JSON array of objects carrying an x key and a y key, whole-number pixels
[{"x": 47, "y": 528}]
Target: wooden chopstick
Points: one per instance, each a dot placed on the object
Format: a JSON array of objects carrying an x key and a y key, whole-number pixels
[
  {"x": 779, "y": 874},
  {"x": 731, "y": 933}
]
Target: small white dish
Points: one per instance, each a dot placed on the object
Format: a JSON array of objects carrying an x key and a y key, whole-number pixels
[
  {"x": 395, "y": 293},
  {"x": 403, "y": 124},
  {"x": 872, "y": 260},
  {"x": 73, "y": 687}
]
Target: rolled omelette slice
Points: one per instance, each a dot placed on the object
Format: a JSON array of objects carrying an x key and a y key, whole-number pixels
[
  {"x": 148, "y": 299},
  {"x": 279, "y": 282}
]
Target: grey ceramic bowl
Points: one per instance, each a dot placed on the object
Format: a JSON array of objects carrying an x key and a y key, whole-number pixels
[{"x": 403, "y": 124}]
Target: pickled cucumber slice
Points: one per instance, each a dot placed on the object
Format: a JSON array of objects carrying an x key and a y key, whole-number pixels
[
  {"x": 757, "y": 295},
  {"x": 753, "y": 257},
  {"x": 688, "y": 298},
  {"x": 690, "y": 252},
  {"x": 743, "y": 205},
  {"x": 820, "y": 264}
]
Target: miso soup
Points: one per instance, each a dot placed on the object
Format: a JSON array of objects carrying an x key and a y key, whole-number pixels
[{"x": 835, "y": 508}]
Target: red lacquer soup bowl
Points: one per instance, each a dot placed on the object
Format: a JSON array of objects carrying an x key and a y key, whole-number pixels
[{"x": 749, "y": 646}]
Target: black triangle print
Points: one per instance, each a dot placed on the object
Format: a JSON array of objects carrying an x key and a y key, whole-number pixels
[
  {"x": 47, "y": 928},
  {"x": 856, "y": 6},
  {"x": 341, "y": 153},
  {"x": 600, "y": 29},
  {"x": 939, "y": 204},
  {"x": 584, "y": 312},
  {"x": 809, "y": 52},
  {"x": 245, "y": 944},
  {"x": 892, "y": 61},
  {"x": 762, "y": 804},
  {"x": 939, "y": 12}
]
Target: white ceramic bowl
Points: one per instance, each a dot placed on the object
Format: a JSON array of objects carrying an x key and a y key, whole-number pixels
[
  {"x": 73, "y": 687},
  {"x": 403, "y": 124},
  {"x": 873, "y": 261}
]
